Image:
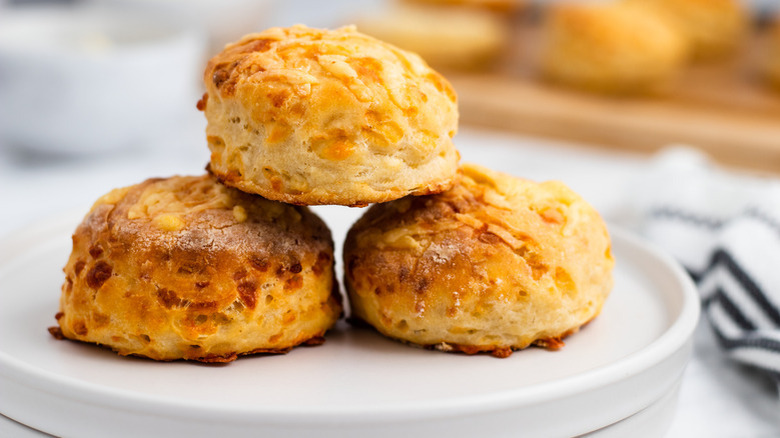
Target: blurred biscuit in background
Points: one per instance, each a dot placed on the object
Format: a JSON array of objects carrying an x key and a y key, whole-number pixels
[
  {"x": 715, "y": 29},
  {"x": 772, "y": 56},
  {"x": 612, "y": 48},
  {"x": 448, "y": 38},
  {"x": 497, "y": 6}
]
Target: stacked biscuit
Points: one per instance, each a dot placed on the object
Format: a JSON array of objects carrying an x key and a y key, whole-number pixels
[{"x": 211, "y": 267}]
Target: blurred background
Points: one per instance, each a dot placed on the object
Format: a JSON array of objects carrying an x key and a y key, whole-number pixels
[
  {"x": 631, "y": 75},
  {"x": 102, "y": 93}
]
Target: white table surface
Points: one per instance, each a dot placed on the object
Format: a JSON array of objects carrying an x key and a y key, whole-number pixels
[{"x": 718, "y": 398}]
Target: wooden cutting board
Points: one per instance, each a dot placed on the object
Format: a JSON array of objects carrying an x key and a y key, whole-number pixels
[{"x": 723, "y": 109}]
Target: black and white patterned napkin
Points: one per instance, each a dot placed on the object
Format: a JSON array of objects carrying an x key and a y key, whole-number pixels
[{"x": 725, "y": 230}]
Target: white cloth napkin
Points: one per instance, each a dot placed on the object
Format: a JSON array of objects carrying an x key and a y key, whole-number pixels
[{"x": 725, "y": 230}]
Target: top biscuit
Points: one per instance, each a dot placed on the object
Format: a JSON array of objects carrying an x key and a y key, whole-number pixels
[{"x": 309, "y": 116}]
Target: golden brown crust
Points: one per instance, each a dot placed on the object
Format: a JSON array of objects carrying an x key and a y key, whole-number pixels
[
  {"x": 495, "y": 264},
  {"x": 309, "y": 116},
  {"x": 185, "y": 268},
  {"x": 612, "y": 48}
]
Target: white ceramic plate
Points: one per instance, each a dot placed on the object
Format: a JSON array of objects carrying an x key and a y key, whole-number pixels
[{"x": 618, "y": 370}]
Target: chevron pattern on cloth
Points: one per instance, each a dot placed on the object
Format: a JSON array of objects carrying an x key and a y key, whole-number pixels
[{"x": 735, "y": 262}]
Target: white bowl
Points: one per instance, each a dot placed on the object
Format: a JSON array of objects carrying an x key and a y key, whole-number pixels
[
  {"x": 617, "y": 377},
  {"x": 84, "y": 80}
]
